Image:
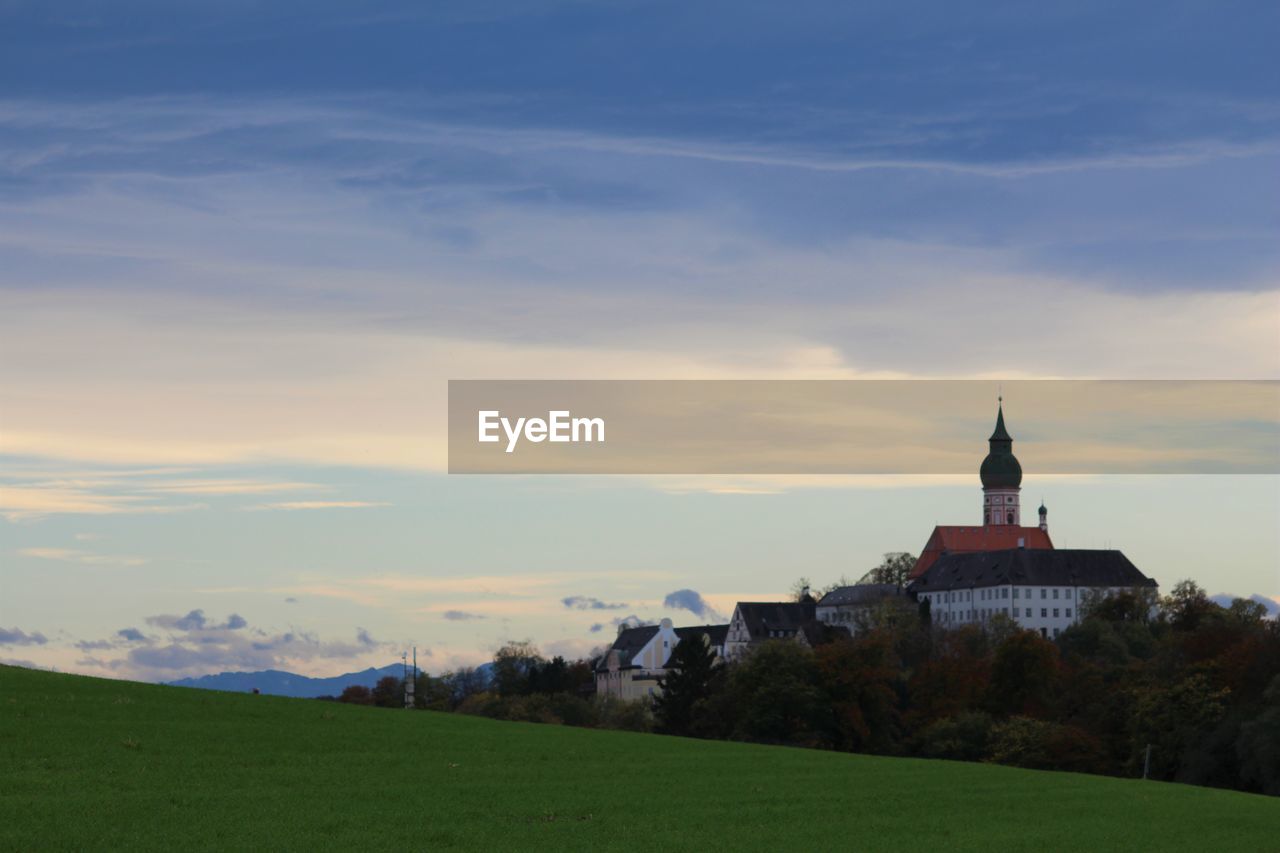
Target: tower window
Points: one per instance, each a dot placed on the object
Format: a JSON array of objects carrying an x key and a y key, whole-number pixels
[{"x": 1010, "y": 519}]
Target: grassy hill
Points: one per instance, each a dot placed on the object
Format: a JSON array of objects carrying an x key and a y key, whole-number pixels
[{"x": 89, "y": 763}]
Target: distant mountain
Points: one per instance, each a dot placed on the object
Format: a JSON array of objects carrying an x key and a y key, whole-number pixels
[{"x": 273, "y": 682}]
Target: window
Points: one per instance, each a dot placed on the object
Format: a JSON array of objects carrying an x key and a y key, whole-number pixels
[
  {"x": 1068, "y": 612},
  {"x": 1055, "y": 613},
  {"x": 1028, "y": 611},
  {"x": 1044, "y": 613},
  {"x": 1055, "y": 593},
  {"x": 1005, "y": 610},
  {"x": 1010, "y": 518},
  {"x": 1044, "y": 593},
  {"x": 1067, "y": 593},
  {"x": 1004, "y": 593},
  {"x": 1055, "y": 633},
  {"x": 1015, "y": 594}
]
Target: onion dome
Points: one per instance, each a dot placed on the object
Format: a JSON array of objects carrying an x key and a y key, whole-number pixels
[{"x": 1000, "y": 470}]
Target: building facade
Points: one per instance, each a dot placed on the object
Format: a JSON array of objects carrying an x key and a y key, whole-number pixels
[
  {"x": 1039, "y": 589},
  {"x": 849, "y": 607}
]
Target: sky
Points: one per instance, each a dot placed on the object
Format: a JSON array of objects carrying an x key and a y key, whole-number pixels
[{"x": 243, "y": 247}]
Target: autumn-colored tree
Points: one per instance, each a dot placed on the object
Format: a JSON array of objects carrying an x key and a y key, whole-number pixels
[
  {"x": 356, "y": 694},
  {"x": 1022, "y": 673},
  {"x": 861, "y": 677},
  {"x": 389, "y": 692}
]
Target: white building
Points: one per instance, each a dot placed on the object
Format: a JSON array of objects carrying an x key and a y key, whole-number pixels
[
  {"x": 630, "y": 669},
  {"x": 850, "y": 607},
  {"x": 1039, "y": 589}
]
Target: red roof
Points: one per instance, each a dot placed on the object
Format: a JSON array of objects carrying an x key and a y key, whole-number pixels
[{"x": 962, "y": 540}]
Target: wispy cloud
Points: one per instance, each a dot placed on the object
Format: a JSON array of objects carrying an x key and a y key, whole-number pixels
[
  {"x": 72, "y": 555},
  {"x": 460, "y": 616},
  {"x": 584, "y": 602},
  {"x": 297, "y": 505}
]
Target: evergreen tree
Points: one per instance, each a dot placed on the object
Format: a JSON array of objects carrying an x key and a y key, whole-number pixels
[{"x": 685, "y": 685}]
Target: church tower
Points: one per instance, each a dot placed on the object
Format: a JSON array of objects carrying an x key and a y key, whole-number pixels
[{"x": 1001, "y": 478}]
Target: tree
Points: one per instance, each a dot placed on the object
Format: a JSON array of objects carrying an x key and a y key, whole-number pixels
[
  {"x": 1021, "y": 674},
  {"x": 778, "y": 695},
  {"x": 893, "y": 569},
  {"x": 1171, "y": 718},
  {"x": 800, "y": 588},
  {"x": 686, "y": 685},
  {"x": 389, "y": 692},
  {"x": 1136, "y": 605},
  {"x": 1188, "y": 605},
  {"x": 356, "y": 694},
  {"x": 1259, "y": 746},
  {"x": 861, "y": 677},
  {"x": 511, "y": 667}
]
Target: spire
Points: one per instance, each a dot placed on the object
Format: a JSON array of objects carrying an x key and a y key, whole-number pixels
[
  {"x": 1001, "y": 434},
  {"x": 1001, "y": 469}
]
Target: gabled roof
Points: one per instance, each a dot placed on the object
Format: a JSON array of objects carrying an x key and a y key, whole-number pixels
[
  {"x": 717, "y": 633},
  {"x": 762, "y": 617},
  {"x": 960, "y": 539},
  {"x": 863, "y": 593},
  {"x": 1032, "y": 567},
  {"x": 628, "y": 644}
]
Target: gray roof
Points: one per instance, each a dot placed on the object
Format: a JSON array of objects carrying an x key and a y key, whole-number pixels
[
  {"x": 1031, "y": 567},
  {"x": 863, "y": 593},
  {"x": 717, "y": 633},
  {"x": 628, "y": 643},
  {"x": 764, "y": 617}
]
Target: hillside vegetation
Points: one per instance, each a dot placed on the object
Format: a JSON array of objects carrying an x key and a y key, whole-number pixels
[{"x": 95, "y": 764}]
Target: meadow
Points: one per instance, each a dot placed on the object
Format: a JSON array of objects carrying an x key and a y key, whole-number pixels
[{"x": 96, "y": 764}]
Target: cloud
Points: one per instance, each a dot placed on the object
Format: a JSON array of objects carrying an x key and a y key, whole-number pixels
[
  {"x": 691, "y": 600},
  {"x": 460, "y": 615},
  {"x": 71, "y": 555},
  {"x": 582, "y": 602},
  {"x": 196, "y": 621},
  {"x": 17, "y": 637},
  {"x": 197, "y": 644},
  {"x": 318, "y": 505},
  {"x": 291, "y": 600},
  {"x": 621, "y": 622}
]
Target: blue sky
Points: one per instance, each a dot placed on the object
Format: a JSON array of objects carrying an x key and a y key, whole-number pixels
[{"x": 243, "y": 246}]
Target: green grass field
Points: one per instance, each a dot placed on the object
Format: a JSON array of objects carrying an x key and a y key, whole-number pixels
[{"x": 93, "y": 764}]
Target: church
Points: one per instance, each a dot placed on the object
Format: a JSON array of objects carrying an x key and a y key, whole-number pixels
[
  {"x": 968, "y": 574},
  {"x": 1001, "y": 525}
]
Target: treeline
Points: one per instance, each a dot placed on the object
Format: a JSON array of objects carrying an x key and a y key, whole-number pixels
[
  {"x": 1179, "y": 686},
  {"x": 521, "y": 685},
  {"x": 1196, "y": 682}
]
